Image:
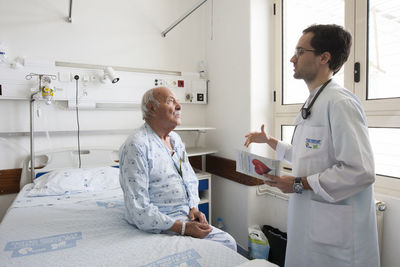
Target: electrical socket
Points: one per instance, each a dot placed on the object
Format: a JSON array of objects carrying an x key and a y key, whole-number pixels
[{"x": 159, "y": 82}]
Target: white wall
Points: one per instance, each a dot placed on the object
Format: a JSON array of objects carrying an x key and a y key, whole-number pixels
[
  {"x": 230, "y": 201},
  {"x": 229, "y": 106},
  {"x": 241, "y": 75},
  {"x": 262, "y": 70},
  {"x": 122, "y": 33},
  {"x": 229, "y": 72},
  {"x": 118, "y": 33}
]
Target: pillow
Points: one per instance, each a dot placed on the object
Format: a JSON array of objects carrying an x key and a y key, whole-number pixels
[{"x": 72, "y": 181}]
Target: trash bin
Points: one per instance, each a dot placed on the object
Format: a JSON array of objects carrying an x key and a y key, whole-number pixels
[{"x": 277, "y": 242}]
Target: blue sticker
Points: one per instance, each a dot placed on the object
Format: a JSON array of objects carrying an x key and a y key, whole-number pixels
[
  {"x": 187, "y": 258},
  {"x": 312, "y": 143},
  {"x": 43, "y": 245}
]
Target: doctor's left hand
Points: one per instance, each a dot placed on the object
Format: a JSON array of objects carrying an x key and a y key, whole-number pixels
[
  {"x": 283, "y": 183},
  {"x": 195, "y": 214}
]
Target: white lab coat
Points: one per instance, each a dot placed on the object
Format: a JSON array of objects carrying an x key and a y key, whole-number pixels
[{"x": 335, "y": 224}]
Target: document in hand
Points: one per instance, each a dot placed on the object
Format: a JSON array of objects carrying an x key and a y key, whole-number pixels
[{"x": 254, "y": 165}]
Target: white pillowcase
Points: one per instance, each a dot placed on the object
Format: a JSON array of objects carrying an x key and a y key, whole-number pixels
[{"x": 72, "y": 181}]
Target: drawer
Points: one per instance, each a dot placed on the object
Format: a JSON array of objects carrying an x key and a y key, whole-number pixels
[
  {"x": 204, "y": 208},
  {"x": 203, "y": 184}
]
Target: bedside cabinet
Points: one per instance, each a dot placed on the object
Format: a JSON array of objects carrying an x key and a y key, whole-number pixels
[{"x": 204, "y": 193}]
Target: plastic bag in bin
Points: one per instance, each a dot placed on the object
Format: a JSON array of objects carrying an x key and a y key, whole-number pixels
[{"x": 258, "y": 243}]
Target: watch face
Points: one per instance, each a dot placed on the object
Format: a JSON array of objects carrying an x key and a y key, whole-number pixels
[{"x": 298, "y": 188}]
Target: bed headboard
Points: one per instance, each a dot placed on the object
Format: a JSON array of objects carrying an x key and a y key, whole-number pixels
[{"x": 68, "y": 158}]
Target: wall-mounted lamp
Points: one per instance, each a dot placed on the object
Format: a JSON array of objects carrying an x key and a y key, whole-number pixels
[{"x": 109, "y": 74}]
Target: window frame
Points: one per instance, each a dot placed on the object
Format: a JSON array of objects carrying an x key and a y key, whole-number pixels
[
  {"x": 380, "y": 112},
  {"x": 384, "y": 106}
]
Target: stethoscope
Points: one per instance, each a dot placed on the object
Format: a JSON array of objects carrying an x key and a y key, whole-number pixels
[{"x": 306, "y": 112}]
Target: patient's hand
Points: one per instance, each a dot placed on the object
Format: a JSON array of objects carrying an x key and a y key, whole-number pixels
[
  {"x": 196, "y": 215},
  {"x": 197, "y": 229}
]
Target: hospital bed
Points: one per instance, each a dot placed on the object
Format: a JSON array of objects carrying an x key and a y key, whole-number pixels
[{"x": 74, "y": 217}]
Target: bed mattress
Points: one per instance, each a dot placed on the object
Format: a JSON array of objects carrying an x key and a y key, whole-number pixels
[{"x": 88, "y": 229}]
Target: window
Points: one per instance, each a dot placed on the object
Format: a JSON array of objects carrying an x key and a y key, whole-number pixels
[
  {"x": 386, "y": 146},
  {"x": 287, "y": 133},
  {"x": 383, "y": 52},
  {"x": 298, "y": 15},
  {"x": 375, "y": 27}
]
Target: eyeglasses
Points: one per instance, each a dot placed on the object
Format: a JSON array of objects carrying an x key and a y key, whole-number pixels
[{"x": 299, "y": 51}]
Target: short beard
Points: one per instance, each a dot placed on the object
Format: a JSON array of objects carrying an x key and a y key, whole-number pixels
[{"x": 306, "y": 78}]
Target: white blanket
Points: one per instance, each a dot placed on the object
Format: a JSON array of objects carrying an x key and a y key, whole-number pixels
[{"x": 88, "y": 229}]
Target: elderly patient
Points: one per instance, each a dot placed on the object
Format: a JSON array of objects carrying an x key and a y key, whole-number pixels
[{"x": 160, "y": 187}]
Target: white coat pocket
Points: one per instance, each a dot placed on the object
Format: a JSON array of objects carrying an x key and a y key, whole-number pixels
[{"x": 331, "y": 224}]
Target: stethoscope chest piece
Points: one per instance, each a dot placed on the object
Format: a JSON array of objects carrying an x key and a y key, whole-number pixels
[{"x": 306, "y": 112}]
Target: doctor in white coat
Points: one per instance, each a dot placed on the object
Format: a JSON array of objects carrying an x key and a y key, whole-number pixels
[{"x": 331, "y": 220}]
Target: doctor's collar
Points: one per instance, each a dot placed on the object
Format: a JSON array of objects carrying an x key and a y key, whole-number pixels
[{"x": 306, "y": 112}]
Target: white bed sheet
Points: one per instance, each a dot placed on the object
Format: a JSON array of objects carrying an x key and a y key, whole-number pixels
[{"x": 88, "y": 229}]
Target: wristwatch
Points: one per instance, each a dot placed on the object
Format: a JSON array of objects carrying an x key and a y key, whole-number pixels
[{"x": 298, "y": 186}]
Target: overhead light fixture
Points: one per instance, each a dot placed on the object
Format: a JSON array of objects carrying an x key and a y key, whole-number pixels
[{"x": 109, "y": 74}]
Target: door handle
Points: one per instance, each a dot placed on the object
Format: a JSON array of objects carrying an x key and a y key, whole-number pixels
[{"x": 357, "y": 72}]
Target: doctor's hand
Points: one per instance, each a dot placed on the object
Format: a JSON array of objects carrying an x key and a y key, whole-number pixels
[
  {"x": 198, "y": 230},
  {"x": 256, "y": 137},
  {"x": 195, "y": 214},
  {"x": 283, "y": 183}
]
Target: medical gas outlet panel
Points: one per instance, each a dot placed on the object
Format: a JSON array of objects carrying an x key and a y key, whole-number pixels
[
  {"x": 98, "y": 87},
  {"x": 186, "y": 90}
]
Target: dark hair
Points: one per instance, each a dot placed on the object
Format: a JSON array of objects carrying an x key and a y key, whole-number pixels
[{"x": 333, "y": 39}]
